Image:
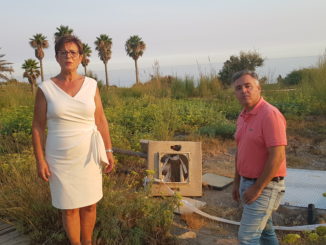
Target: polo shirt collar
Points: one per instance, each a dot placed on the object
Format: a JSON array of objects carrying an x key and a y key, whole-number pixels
[{"x": 255, "y": 110}]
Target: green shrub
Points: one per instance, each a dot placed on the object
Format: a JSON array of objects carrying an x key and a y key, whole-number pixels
[
  {"x": 129, "y": 217},
  {"x": 313, "y": 237},
  {"x": 15, "y": 129},
  {"x": 221, "y": 129},
  {"x": 291, "y": 238},
  {"x": 297, "y": 76},
  {"x": 321, "y": 230},
  {"x": 15, "y": 120}
]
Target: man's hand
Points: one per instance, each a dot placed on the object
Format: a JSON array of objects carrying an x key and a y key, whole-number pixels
[
  {"x": 235, "y": 192},
  {"x": 251, "y": 194},
  {"x": 43, "y": 171}
]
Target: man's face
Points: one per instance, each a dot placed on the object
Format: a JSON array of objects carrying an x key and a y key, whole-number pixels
[{"x": 247, "y": 91}]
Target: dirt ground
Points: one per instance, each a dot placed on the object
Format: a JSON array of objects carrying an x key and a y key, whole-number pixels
[{"x": 303, "y": 151}]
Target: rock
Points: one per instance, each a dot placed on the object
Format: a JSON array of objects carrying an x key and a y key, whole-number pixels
[{"x": 187, "y": 235}]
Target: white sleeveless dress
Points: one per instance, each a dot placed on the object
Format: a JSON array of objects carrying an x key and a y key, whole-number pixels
[{"x": 74, "y": 149}]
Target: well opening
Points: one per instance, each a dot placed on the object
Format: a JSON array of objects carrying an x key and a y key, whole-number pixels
[{"x": 174, "y": 167}]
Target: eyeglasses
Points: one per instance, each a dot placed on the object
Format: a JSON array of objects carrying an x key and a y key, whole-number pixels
[{"x": 72, "y": 53}]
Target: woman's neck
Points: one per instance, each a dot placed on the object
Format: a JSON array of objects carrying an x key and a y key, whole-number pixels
[{"x": 68, "y": 76}]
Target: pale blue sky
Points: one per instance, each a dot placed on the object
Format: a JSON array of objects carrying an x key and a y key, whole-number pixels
[{"x": 178, "y": 32}]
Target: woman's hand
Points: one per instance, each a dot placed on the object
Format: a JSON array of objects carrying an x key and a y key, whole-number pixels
[
  {"x": 108, "y": 168},
  {"x": 43, "y": 171}
]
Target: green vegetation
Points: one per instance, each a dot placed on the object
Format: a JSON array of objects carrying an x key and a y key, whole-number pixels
[
  {"x": 315, "y": 237},
  {"x": 87, "y": 51},
  {"x": 291, "y": 238},
  {"x": 135, "y": 48},
  {"x": 306, "y": 98},
  {"x": 103, "y": 46},
  {"x": 32, "y": 72},
  {"x": 134, "y": 114},
  {"x": 39, "y": 42},
  {"x": 249, "y": 61},
  {"x": 295, "y": 77},
  {"x": 126, "y": 214},
  {"x": 4, "y": 68},
  {"x": 62, "y": 31}
]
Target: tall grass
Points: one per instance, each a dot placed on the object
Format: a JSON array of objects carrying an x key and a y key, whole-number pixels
[
  {"x": 13, "y": 94},
  {"x": 315, "y": 86},
  {"x": 307, "y": 98},
  {"x": 25, "y": 200},
  {"x": 126, "y": 214}
]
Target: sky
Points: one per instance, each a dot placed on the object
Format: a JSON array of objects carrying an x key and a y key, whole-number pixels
[{"x": 184, "y": 36}]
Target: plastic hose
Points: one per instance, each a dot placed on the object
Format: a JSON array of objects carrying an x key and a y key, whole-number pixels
[{"x": 211, "y": 217}]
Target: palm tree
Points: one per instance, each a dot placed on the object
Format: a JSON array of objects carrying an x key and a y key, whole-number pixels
[
  {"x": 86, "y": 53},
  {"x": 32, "y": 72},
  {"x": 135, "y": 48},
  {"x": 103, "y": 46},
  {"x": 4, "y": 67},
  {"x": 39, "y": 42},
  {"x": 62, "y": 31}
]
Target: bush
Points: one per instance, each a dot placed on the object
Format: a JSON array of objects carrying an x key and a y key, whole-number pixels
[
  {"x": 291, "y": 238},
  {"x": 249, "y": 61},
  {"x": 222, "y": 129},
  {"x": 321, "y": 230},
  {"x": 297, "y": 76},
  {"x": 15, "y": 129}
]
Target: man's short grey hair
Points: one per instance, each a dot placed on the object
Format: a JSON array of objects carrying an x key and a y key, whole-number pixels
[{"x": 239, "y": 74}]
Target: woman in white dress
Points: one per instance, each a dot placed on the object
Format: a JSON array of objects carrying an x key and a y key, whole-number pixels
[{"x": 78, "y": 145}]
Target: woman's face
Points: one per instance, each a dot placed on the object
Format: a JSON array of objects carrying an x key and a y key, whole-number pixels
[{"x": 68, "y": 57}]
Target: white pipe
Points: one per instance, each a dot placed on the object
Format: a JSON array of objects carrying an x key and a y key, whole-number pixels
[{"x": 211, "y": 217}]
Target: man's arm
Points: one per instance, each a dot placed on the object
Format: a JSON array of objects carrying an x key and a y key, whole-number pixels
[
  {"x": 236, "y": 181},
  {"x": 276, "y": 155}
]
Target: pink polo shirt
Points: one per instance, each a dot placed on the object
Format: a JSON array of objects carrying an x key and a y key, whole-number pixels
[{"x": 257, "y": 130}]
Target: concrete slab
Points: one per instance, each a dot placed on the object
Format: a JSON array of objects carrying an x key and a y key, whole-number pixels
[
  {"x": 216, "y": 181},
  {"x": 305, "y": 186},
  {"x": 183, "y": 209}
]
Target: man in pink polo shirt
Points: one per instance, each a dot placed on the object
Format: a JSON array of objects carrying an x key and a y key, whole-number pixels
[{"x": 260, "y": 165}]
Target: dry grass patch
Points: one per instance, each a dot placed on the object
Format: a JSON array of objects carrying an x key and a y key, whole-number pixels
[{"x": 215, "y": 146}]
